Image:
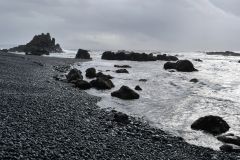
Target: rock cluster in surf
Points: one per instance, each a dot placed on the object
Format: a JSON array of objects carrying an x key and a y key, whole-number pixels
[
  {"x": 226, "y": 53},
  {"x": 134, "y": 56}
]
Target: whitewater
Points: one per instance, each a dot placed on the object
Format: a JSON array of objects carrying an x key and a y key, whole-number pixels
[{"x": 169, "y": 100}]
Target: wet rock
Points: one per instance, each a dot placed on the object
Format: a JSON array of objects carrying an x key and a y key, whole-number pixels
[
  {"x": 4, "y": 50},
  {"x": 231, "y": 139},
  {"x": 74, "y": 75},
  {"x": 198, "y": 60},
  {"x": 84, "y": 85},
  {"x": 125, "y": 93},
  {"x": 143, "y": 80},
  {"x": 169, "y": 65},
  {"x": 194, "y": 80},
  {"x": 181, "y": 65},
  {"x": 102, "y": 83},
  {"x": 120, "y": 118},
  {"x": 83, "y": 54},
  {"x": 138, "y": 88},
  {"x": 211, "y": 124},
  {"x": 101, "y": 75},
  {"x": 226, "y": 53},
  {"x": 91, "y": 73},
  {"x": 185, "y": 66},
  {"x": 108, "y": 55},
  {"x": 39, "y": 45},
  {"x": 226, "y": 148},
  {"x": 131, "y": 56},
  {"x": 122, "y": 71},
  {"x": 122, "y": 66},
  {"x": 164, "y": 57}
]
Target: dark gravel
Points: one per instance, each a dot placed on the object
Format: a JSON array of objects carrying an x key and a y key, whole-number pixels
[{"x": 41, "y": 118}]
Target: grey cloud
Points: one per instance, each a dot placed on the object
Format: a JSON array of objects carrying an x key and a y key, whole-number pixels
[{"x": 124, "y": 24}]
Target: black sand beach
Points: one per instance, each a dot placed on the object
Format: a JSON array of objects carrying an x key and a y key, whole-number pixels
[{"x": 41, "y": 118}]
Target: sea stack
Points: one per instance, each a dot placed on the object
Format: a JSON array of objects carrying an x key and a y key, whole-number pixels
[{"x": 39, "y": 45}]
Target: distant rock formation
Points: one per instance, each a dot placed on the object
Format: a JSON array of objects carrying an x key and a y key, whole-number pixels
[
  {"x": 83, "y": 54},
  {"x": 39, "y": 45},
  {"x": 134, "y": 56},
  {"x": 226, "y": 53},
  {"x": 165, "y": 57},
  {"x": 4, "y": 50}
]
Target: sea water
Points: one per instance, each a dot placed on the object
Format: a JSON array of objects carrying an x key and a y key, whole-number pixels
[{"x": 168, "y": 100}]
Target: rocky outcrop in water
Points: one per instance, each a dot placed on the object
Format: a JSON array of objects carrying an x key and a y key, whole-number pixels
[
  {"x": 211, "y": 124},
  {"x": 122, "y": 71},
  {"x": 101, "y": 75},
  {"x": 134, "y": 56},
  {"x": 138, "y": 88},
  {"x": 164, "y": 57},
  {"x": 39, "y": 45},
  {"x": 83, "y": 54},
  {"x": 122, "y": 66},
  {"x": 194, "y": 80},
  {"x": 226, "y": 53},
  {"x": 231, "y": 143},
  {"x": 125, "y": 93},
  {"x": 198, "y": 60},
  {"x": 102, "y": 83},
  {"x": 74, "y": 75},
  {"x": 229, "y": 148},
  {"x": 181, "y": 65},
  {"x": 91, "y": 73},
  {"x": 143, "y": 80},
  {"x": 230, "y": 139}
]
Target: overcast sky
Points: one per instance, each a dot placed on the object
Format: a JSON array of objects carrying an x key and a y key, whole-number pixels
[{"x": 125, "y": 24}]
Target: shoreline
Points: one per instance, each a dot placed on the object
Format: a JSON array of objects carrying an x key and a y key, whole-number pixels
[{"x": 44, "y": 118}]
